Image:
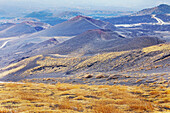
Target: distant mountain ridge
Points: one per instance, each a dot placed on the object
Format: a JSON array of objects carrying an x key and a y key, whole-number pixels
[
  {"x": 161, "y": 9},
  {"x": 144, "y": 16},
  {"x": 68, "y": 14},
  {"x": 40, "y": 14},
  {"x": 46, "y": 16}
]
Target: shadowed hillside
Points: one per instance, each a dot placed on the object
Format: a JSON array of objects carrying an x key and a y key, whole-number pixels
[{"x": 99, "y": 40}]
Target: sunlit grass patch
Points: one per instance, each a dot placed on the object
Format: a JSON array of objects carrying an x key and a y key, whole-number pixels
[{"x": 159, "y": 47}]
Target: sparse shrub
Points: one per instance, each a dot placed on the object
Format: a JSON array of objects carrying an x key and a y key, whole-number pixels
[{"x": 100, "y": 76}]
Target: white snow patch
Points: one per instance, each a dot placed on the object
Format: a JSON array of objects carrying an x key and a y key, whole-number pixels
[{"x": 4, "y": 44}]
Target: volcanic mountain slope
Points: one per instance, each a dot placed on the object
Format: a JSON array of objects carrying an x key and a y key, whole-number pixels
[
  {"x": 99, "y": 40},
  {"x": 89, "y": 42},
  {"x": 27, "y": 47},
  {"x": 74, "y": 27},
  {"x": 22, "y": 28},
  {"x": 161, "y": 9},
  {"x": 151, "y": 58}
]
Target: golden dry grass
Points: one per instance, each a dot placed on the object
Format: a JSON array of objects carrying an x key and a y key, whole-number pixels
[
  {"x": 12, "y": 68},
  {"x": 11, "y": 71},
  {"x": 122, "y": 61},
  {"x": 160, "y": 47},
  {"x": 22, "y": 62},
  {"x": 49, "y": 64},
  {"x": 68, "y": 98}
]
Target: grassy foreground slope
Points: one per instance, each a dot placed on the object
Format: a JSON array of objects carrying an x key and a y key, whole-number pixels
[
  {"x": 155, "y": 59},
  {"x": 67, "y": 98},
  {"x": 142, "y": 59},
  {"x": 151, "y": 95}
]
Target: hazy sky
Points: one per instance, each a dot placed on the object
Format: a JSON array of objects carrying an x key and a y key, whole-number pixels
[{"x": 136, "y": 4}]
